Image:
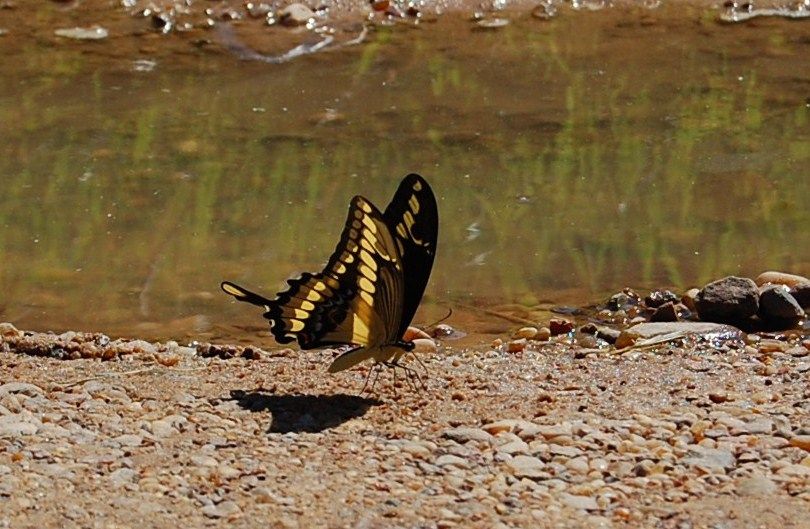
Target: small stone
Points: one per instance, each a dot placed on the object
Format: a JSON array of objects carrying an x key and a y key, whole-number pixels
[
  {"x": 223, "y": 510},
  {"x": 504, "y": 425},
  {"x": 8, "y": 330},
  {"x": 543, "y": 334},
  {"x": 559, "y": 326},
  {"x": 713, "y": 332},
  {"x": 11, "y": 427},
  {"x": 451, "y": 460},
  {"x": 712, "y": 459},
  {"x": 463, "y": 435},
  {"x": 665, "y": 312},
  {"x": 129, "y": 440},
  {"x": 77, "y": 33},
  {"x": 776, "y": 304},
  {"x": 516, "y": 346},
  {"x": 780, "y": 278},
  {"x": 689, "y": 297},
  {"x": 756, "y": 485},
  {"x": 718, "y": 397},
  {"x": 296, "y": 15},
  {"x": 514, "y": 447},
  {"x": 524, "y": 466},
  {"x": 657, "y": 298},
  {"x": 801, "y": 441},
  {"x": 412, "y": 333},
  {"x": 527, "y": 333},
  {"x": 801, "y": 293},
  {"x": 203, "y": 460},
  {"x": 425, "y": 346},
  {"x": 122, "y": 475},
  {"x": 415, "y": 449},
  {"x": 492, "y": 23},
  {"x": 579, "y": 502},
  {"x": 29, "y": 390},
  {"x": 728, "y": 300}
]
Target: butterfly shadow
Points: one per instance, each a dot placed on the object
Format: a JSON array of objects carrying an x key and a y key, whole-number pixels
[{"x": 304, "y": 413}]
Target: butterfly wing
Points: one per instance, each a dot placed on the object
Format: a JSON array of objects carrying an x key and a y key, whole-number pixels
[
  {"x": 413, "y": 218},
  {"x": 356, "y": 299}
]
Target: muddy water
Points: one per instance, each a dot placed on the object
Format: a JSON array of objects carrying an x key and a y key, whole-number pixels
[{"x": 571, "y": 158}]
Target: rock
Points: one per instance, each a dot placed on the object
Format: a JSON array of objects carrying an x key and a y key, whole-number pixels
[
  {"x": 129, "y": 440},
  {"x": 514, "y": 447},
  {"x": 579, "y": 502},
  {"x": 29, "y": 390},
  {"x": 451, "y": 460},
  {"x": 412, "y": 333},
  {"x": 504, "y": 425},
  {"x": 296, "y": 15},
  {"x": 424, "y": 346},
  {"x": 714, "y": 332},
  {"x": 801, "y": 441},
  {"x": 711, "y": 459},
  {"x": 689, "y": 297},
  {"x": 463, "y": 435},
  {"x": 516, "y": 346},
  {"x": 543, "y": 334},
  {"x": 559, "y": 326},
  {"x": 527, "y": 333},
  {"x": 777, "y": 305},
  {"x": 665, "y": 312},
  {"x": 756, "y": 485},
  {"x": 223, "y": 510},
  {"x": 657, "y": 298},
  {"x": 523, "y": 466},
  {"x": 8, "y": 330},
  {"x": 780, "y": 278},
  {"x": 122, "y": 475},
  {"x": 11, "y": 426},
  {"x": 77, "y": 33},
  {"x": 730, "y": 299},
  {"x": 801, "y": 293}
]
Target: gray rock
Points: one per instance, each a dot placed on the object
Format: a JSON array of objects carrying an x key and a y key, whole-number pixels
[
  {"x": 122, "y": 476},
  {"x": 129, "y": 440},
  {"x": 527, "y": 467},
  {"x": 776, "y": 304},
  {"x": 801, "y": 293},
  {"x": 728, "y": 300},
  {"x": 20, "y": 387},
  {"x": 451, "y": 460},
  {"x": 713, "y": 459},
  {"x": 756, "y": 485},
  {"x": 709, "y": 331},
  {"x": 463, "y": 435},
  {"x": 12, "y": 426},
  {"x": 579, "y": 502},
  {"x": 295, "y": 15},
  {"x": 223, "y": 510}
]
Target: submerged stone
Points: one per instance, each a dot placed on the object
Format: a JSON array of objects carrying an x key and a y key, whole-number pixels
[
  {"x": 77, "y": 33},
  {"x": 776, "y": 305}
]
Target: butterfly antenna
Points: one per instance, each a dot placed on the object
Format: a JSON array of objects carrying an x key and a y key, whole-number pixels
[{"x": 449, "y": 313}]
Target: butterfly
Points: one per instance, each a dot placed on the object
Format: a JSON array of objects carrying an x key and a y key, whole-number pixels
[{"x": 369, "y": 291}]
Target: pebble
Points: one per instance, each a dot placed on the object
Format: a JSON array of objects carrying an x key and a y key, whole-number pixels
[
  {"x": 756, "y": 485},
  {"x": 77, "y": 33},
  {"x": 129, "y": 440},
  {"x": 728, "y": 300},
  {"x": 225, "y": 509},
  {"x": 801, "y": 441},
  {"x": 11, "y": 426},
  {"x": 559, "y": 326},
  {"x": 780, "y": 278},
  {"x": 776, "y": 304},
  {"x": 463, "y": 435},
  {"x": 801, "y": 293},
  {"x": 527, "y": 333},
  {"x": 579, "y": 502},
  {"x": 451, "y": 460},
  {"x": 296, "y": 15},
  {"x": 711, "y": 459},
  {"x": 523, "y": 466}
]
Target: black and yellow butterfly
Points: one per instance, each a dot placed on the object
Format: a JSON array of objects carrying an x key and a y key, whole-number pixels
[{"x": 369, "y": 291}]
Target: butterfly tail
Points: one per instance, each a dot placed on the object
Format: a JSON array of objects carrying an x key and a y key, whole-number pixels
[
  {"x": 245, "y": 295},
  {"x": 350, "y": 359}
]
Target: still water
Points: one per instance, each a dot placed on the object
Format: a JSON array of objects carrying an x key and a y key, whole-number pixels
[{"x": 570, "y": 157}]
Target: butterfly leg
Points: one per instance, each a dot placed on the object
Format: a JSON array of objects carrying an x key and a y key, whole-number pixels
[{"x": 368, "y": 377}]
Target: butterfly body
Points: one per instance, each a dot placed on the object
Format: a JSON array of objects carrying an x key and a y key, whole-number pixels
[{"x": 371, "y": 286}]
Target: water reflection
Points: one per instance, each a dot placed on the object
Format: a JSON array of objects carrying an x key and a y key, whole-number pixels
[{"x": 571, "y": 157}]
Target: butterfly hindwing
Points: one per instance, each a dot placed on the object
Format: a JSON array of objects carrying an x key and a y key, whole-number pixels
[{"x": 413, "y": 219}]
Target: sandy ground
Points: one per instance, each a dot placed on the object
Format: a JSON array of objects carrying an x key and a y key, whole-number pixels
[{"x": 673, "y": 436}]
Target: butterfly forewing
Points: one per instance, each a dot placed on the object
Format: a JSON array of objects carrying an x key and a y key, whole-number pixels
[
  {"x": 356, "y": 295},
  {"x": 413, "y": 219}
]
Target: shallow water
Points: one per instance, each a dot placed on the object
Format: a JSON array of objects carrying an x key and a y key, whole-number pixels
[{"x": 571, "y": 158}]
